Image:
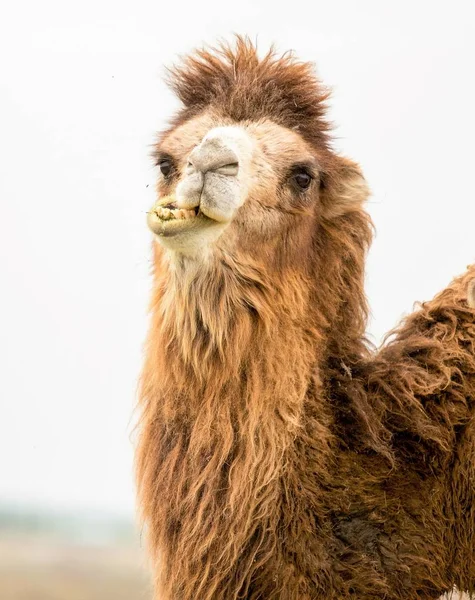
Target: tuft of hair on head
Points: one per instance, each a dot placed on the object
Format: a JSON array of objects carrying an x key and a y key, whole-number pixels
[
  {"x": 233, "y": 80},
  {"x": 471, "y": 294}
]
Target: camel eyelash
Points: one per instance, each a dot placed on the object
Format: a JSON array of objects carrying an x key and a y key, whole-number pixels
[
  {"x": 158, "y": 157},
  {"x": 301, "y": 177}
]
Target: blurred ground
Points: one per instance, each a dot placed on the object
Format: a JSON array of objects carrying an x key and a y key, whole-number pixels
[
  {"x": 68, "y": 559},
  {"x": 47, "y": 569}
]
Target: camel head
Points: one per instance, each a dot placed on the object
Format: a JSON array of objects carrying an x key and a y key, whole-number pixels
[{"x": 246, "y": 165}]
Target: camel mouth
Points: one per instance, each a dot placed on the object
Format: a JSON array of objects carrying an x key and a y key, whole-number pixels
[
  {"x": 166, "y": 219},
  {"x": 170, "y": 212}
]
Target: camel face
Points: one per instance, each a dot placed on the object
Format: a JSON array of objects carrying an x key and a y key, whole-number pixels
[
  {"x": 255, "y": 179},
  {"x": 247, "y": 162}
]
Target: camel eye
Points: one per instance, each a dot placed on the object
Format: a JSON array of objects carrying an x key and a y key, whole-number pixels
[
  {"x": 165, "y": 167},
  {"x": 302, "y": 178}
]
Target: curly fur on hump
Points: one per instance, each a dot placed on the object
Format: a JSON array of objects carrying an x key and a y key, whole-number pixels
[{"x": 279, "y": 456}]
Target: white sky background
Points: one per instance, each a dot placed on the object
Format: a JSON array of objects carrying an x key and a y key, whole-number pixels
[{"x": 80, "y": 100}]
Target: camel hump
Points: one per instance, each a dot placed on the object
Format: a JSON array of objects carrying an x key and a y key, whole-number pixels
[{"x": 471, "y": 294}]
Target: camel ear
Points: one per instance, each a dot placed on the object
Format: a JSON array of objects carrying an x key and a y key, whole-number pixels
[
  {"x": 344, "y": 189},
  {"x": 471, "y": 294}
]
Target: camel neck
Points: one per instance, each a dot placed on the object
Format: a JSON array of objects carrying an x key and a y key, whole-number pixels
[
  {"x": 229, "y": 329},
  {"x": 231, "y": 364}
]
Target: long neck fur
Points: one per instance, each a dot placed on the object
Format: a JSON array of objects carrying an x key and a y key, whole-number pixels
[{"x": 233, "y": 349}]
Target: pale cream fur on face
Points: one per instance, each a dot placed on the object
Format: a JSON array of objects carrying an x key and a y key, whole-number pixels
[
  {"x": 471, "y": 294},
  {"x": 224, "y": 166}
]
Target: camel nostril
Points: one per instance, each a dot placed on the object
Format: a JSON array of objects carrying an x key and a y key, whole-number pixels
[
  {"x": 214, "y": 154},
  {"x": 228, "y": 169}
]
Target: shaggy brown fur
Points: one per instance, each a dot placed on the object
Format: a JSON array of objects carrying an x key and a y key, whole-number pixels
[{"x": 280, "y": 458}]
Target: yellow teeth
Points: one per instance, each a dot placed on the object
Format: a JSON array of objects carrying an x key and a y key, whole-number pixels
[
  {"x": 166, "y": 214},
  {"x": 166, "y": 219},
  {"x": 164, "y": 211}
]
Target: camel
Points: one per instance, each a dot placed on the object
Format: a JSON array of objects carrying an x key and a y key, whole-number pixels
[{"x": 280, "y": 455}]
